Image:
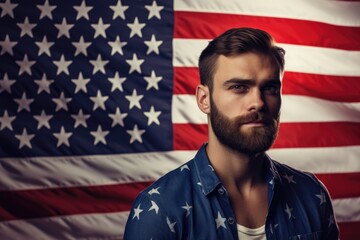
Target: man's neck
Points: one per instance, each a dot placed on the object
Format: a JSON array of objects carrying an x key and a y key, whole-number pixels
[{"x": 236, "y": 169}]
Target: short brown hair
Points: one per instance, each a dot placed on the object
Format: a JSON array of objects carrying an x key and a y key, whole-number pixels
[{"x": 237, "y": 41}]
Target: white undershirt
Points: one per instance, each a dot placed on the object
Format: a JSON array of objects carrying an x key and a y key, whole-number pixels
[{"x": 245, "y": 233}]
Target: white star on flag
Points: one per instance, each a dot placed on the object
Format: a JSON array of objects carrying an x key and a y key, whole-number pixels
[
  {"x": 80, "y": 118},
  {"x": 25, "y": 139},
  {"x": 135, "y": 64},
  {"x": 154, "y": 207},
  {"x": 116, "y": 46},
  {"x": 170, "y": 224},
  {"x": 134, "y": 99},
  {"x": 118, "y": 117},
  {"x": 187, "y": 207},
  {"x": 6, "y": 120},
  {"x": 220, "y": 221},
  {"x": 137, "y": 212},
  {"x": 153, "y": 45},
  {"x": 24, "y": 103},
  {"x": 80, "y": 83},
  {"x": 26, "y": 27},
  {"x": 5, "y": 84},
  {"x": 81, "y": 46},
  {"x": 25, "y": 65},
  {"x": 119, "y": 10},
  {"x": 136, "y": 27},
  {"x": 153, "y": 81},
  {"x": 135, "y": 134},
  {"x": 63, "y": 137},
  {"x": 7, "y": 46},
  {"x": 99, "y": 101},
  {"x": 82, "y": 11},
  {"x": 43, "y": 120},
  {"x": 99, "y": 64},
  {"x": 154, "y": 10},
  {"x": 44, "y": 46},
  {"x": 8, "y": 8},
  {"x": 43, "y": 84},
  {"x": 64, "y": 28},
  {"x": 62, "y": 65},
  {"x": 46, "y": 10},
  {"x": 153, "y": 116},
  {"x": 61, "y": 102},
  {"x": 117, "y": 82},
  {"x": 100, "y": 28},
  {"x": 99, "y": 135}
]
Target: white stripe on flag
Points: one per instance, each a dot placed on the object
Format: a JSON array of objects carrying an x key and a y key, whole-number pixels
[{"x": 346, "y": 210}]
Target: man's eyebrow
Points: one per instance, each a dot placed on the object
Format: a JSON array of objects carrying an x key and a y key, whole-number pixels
[{"x": 239, "y": 80}]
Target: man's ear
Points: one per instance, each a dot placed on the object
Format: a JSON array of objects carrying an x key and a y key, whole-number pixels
[{"x": 203, "y": 98}]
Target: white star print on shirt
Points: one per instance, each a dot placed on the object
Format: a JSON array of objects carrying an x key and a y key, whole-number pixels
[
  {"x": 99, "y": 64},
  {"x": 43, "y": 120},
  {"x": 135, "y": 134},
  {"x": 119, "y": 10},
  {"x": 154, "y": 207},
  {"x": 322, "y": 197},
  {"x": 187, "y": 207},
  {"x": 6, "y": 83},
  {"x": 61, "y": 102},
  {"x": 135, "y": 64},
  {"x": 8, "y": 8},
  {"x": 26, "y": 27},
  {"x": 46, "y": 10},
  {"x": 154, "y": 10},
  {"x": 25, "y": 139},
  {"x": 289, "y": 210},
  {"x": 171, "y": 225},
  {"x": 6, "y": 120},
  {"x": 220, "y": 221},
  {"x": 290, "y": 178},
  {"x": 24, "y": 103},
  {"x": 136, "y": 27},
  {"x": 184, "y": 167},
  {"x": 99, "y": 135},
  {"x": 116, "y": 46},
  {"x": 7, "y": 46},
  {"x": 154, "y": 191},
  {"x": 137, "y": 212},
  {"x": 80, "y": 83},
  {"x": 63, "y": 137},
  {"x": 43, "y": 84},
  {"x": 82, "y": 11}
]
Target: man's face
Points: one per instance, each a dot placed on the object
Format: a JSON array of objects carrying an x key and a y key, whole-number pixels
[{"x": 245, "y": 102}]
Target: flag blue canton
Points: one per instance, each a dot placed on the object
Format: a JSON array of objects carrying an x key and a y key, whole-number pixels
[{"x": 84, "y": 77}]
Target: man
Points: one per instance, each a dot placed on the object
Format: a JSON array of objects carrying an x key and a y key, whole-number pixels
[{"x": 232, "y": 189}]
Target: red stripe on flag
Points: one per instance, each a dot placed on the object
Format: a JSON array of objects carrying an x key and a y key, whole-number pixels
[
  {"x": 341, "y": 185},
  {"x": 349, "y": 230},
  {"x": 24, "y": 204},
  {"x": 201, "y": 25},
  {"x": 291, "y": 135},
  {"x": 335, "y": 88}
]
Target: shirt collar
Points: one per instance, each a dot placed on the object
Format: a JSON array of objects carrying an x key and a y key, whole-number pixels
[{"x": 209, "y": 180}]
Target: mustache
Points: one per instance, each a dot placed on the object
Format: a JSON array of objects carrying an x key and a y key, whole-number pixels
[{"x": 254, "y": 117}]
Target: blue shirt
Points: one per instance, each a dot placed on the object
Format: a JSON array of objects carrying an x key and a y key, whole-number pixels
[{"x": 191, "y": 203}]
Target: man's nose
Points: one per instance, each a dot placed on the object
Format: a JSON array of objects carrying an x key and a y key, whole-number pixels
[{"x": 256, "y": 101}]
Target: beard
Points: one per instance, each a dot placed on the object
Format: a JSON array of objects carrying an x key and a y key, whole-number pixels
[{"x": 251, "y": 142}]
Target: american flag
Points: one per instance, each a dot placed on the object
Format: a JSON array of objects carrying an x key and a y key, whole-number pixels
[{"x": 97, "y": 102}]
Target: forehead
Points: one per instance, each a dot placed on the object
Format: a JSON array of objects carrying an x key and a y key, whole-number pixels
[{"x": 250, "y": 66}]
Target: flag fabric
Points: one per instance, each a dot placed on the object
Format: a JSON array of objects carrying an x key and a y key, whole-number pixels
[{"x": 97, "y": 102}]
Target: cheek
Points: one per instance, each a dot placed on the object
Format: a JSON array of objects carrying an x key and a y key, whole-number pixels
[{"x": 274, "y": 105}]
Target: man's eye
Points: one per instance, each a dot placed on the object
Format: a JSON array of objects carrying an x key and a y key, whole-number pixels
[
  {"x": 239, "y": 88},
  {"x": 272, "y": 90}
]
